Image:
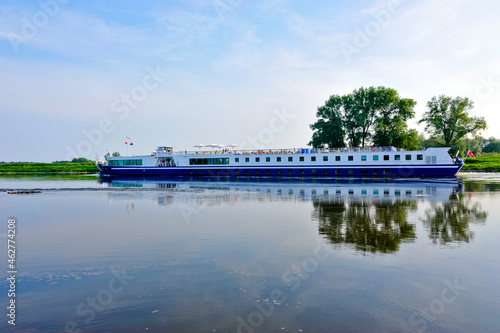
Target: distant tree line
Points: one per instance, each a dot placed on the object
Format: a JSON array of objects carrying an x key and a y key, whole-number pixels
[
  {"x": 378, "y": 116},
  {"x": 74, "y": 160}
]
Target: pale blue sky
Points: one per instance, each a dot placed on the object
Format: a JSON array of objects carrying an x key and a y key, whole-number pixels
[{"x": 225, "y": 69}]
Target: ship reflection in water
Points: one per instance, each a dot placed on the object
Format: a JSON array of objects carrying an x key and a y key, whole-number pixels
[
  {"x": 368, "y": 215},
  {"x": 212, "y": 254}
]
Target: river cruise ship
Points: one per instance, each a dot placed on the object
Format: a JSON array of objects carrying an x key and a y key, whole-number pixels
[{"x": 329, "y": 162}]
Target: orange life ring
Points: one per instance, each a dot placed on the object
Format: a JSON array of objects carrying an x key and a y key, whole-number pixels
[{"x": 374, "y": 148}]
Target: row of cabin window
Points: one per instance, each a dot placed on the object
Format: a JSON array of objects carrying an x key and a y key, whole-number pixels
[
  {"x": 337, "y": 158},
  {"x": 125, "y": 162},
  {"x": 278, "y": 171},
  {"x": 208, "y": 161}
]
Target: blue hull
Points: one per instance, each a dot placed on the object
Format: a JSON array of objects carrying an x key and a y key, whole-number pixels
[{"x": 305, "y": 171}]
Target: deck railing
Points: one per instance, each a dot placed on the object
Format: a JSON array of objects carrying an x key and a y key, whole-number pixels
[{"x": 234, "y": 151}]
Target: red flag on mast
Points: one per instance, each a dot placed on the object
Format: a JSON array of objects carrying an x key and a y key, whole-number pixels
[{"x": 470, "y": 154}]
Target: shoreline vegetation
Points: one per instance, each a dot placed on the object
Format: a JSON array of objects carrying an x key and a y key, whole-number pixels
[
  {"x": 490, "y": 163},
  {"x": 48, "y": 168}
]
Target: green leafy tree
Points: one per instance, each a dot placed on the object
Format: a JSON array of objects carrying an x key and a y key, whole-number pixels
[
  {"x": 354, "y": 118},
  {"x": 360, "y": 110},
  {"x": 80, "y": 160},
  {"x": 475, "y": 145},
  {"x": 328, "y": 129},
  {"x": 391, "y": 127},
  {"x": 492, "y": 147},
  {"x": 116, "y": 154},
  {"x": 448, "y": 118}
]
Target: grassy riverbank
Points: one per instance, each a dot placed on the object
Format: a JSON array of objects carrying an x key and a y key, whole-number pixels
[
  {"x": 486, "y": 163},
  {"x": 41, "y": 168}
]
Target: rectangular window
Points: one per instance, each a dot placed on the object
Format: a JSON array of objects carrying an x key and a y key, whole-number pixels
[
  {"x": 350, "y": 171},
  {"x": 217, "y": 171},
  {"x": 247, "y": 171},
  {"x": 337, "y": 158},
  {"x": 325, "y": 171},
  {"x": 278, "y": 171},
  {"x": 290, "y": 159},
  {"x": 268, "y": 170},
  {"x": 290, "y": 171},
  {"x": 408, "y": 157},
  {"x": 325, "y": 158},
  {"x": 350, "y": 158},
  {"x": 199, "y": 171},
  {"x": 313, "y": 170},
  {"x": 337, "y": 171},
  {"x": 420, "y": 157},
  {"x": 397, "y": 157},
  {"x": 375, "y": 171},
  {"x": 257, "y": 159},
  {"x": 257, "y": 171},
  {"x": 375, "y": 157},
  {"x": 301, "y": 158},
  {"x": 237, "y": 171},
  {"x": 247, "y": 159},
  {"x": 268, "y": 159},
  {"x": 386, "y": 171},
  {"x": 278, "y": 159},
  {"x": 364, "y": 171},
  {"x": 363, "y": 157},
  {"x": 208, "y": 161},
  {"x": 313, "y": 158},
  {"x": 301, "y": 170},
  {"x": 386, "y": 157},
  {"x": 191, "y": 171},
  {"x": 237, "y": 159}
]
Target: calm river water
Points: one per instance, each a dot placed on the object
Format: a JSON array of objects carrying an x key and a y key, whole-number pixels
[{"x": 254, "y": 255}]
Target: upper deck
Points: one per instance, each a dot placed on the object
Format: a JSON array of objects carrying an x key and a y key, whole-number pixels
[{"x": 165, "y": 150}]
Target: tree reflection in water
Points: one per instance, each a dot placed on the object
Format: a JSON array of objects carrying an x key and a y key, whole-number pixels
[
  {"x": 375, "y": 226},
  {"x": 449, "y": 221}
]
